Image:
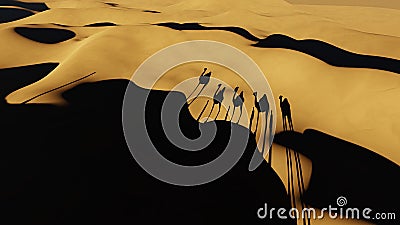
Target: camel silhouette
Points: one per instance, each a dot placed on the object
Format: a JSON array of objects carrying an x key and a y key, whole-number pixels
[
  {"x": 294, "y": 168},
  {"x": 204, "y": 79},
  {"x": 238, "y": 101},
  {"x": 218, "y": 98},
  {"x": 286, "y": 113},
  {"x": 261, "y": 105}
]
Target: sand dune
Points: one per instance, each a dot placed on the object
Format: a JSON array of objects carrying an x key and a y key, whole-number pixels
[
  {"x": 354, "y": 104},
  {"x": 330, "y": 54},
  {"x": 13, "y": 79},
  {"x": 98, "y": 42}
]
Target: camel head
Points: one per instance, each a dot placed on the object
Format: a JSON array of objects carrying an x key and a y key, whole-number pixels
[
  {"x": 236, "y": 89},
  {"x": 255, "y": 94},
  {"x": 280, "y": 97},
  {"x": 219, "y": 85},
  {"x": 205, "y": 69}
]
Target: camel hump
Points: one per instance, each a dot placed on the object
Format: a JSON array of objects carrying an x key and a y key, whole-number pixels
[
  {"x": 207, "y": 74},
  {"x": 264, "y": 104},
  {"x": 241, "y": 96},
  {"x": 286, "y": 102}
]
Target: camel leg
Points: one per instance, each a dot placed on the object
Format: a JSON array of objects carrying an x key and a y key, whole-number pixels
[
  {"x": 284, "y": 121},
  {"x": 258, "y": 115},
  {"x": 241, "y": 111},
  {"x": 210, "y": 112},
  {"x": 201, "y": 90},
  {"x": 202, "y": 111},
  {"x": 271, "y": 137},
  {"x": 192, "y": 92},
  {"x": 251, "y": 119},
  {"x": 219, "y": 109},
  {"x": 265, "y": 136},
  {"x": 233, "y": 113},
  {"x": 270, "y": 156},
  {"x": 227, "y": 112},
  {"x": 290, "y": 122}
]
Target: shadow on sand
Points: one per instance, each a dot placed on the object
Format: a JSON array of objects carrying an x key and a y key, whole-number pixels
[
  {"x": 330, "y": 54},
  {"x": 35, "y": 6},
  {"x": 45, "y": 35},
  {"x": 196, "y": 26},
  {"x": 12, "y": 14},
  {"x": 71, "y": 165},
  {"x": 101, "y": 24},
  {"x": 323, "y": 51},
  {"x": 341, "y": 168}
]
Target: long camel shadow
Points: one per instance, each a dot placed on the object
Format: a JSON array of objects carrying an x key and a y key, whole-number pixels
[
  {"x": 72, "y": 165},
  {"x": 341, "y": 168}
]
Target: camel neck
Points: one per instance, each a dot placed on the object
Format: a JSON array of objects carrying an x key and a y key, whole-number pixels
[{"x": 216, "y": 91}]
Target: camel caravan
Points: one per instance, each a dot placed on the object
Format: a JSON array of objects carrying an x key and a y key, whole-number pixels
[{"x": 261, "y": 105}]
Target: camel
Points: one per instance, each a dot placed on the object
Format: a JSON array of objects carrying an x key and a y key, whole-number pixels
[
  {"x": 286, "y": 113},
  {"x": 262, "y": 106},
  {"x": 204, "y": 79},
  {"x": 218, "y": 98},
  {"x": 238, "y": 101}
]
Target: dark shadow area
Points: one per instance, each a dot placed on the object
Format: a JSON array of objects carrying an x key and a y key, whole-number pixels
[
  {"x": 341, "y": 168},
  {"x": 330, "y": 54},
  {"x": 112, "y": 4},
  {"x": 36, "y": 6},
  {"x": 71, "y": 165},
  {"x": 11, "y": 14},
  {"x": 12, "y": 79},
  {"x": 151, "y": 11},
  {"x": 45, "y": 35},
  {"x": 101, "y": 24},
  {"x": 196, "y": 26}
]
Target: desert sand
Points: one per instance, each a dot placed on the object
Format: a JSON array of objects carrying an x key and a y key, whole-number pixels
[{"x": 358, "y": 105}]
